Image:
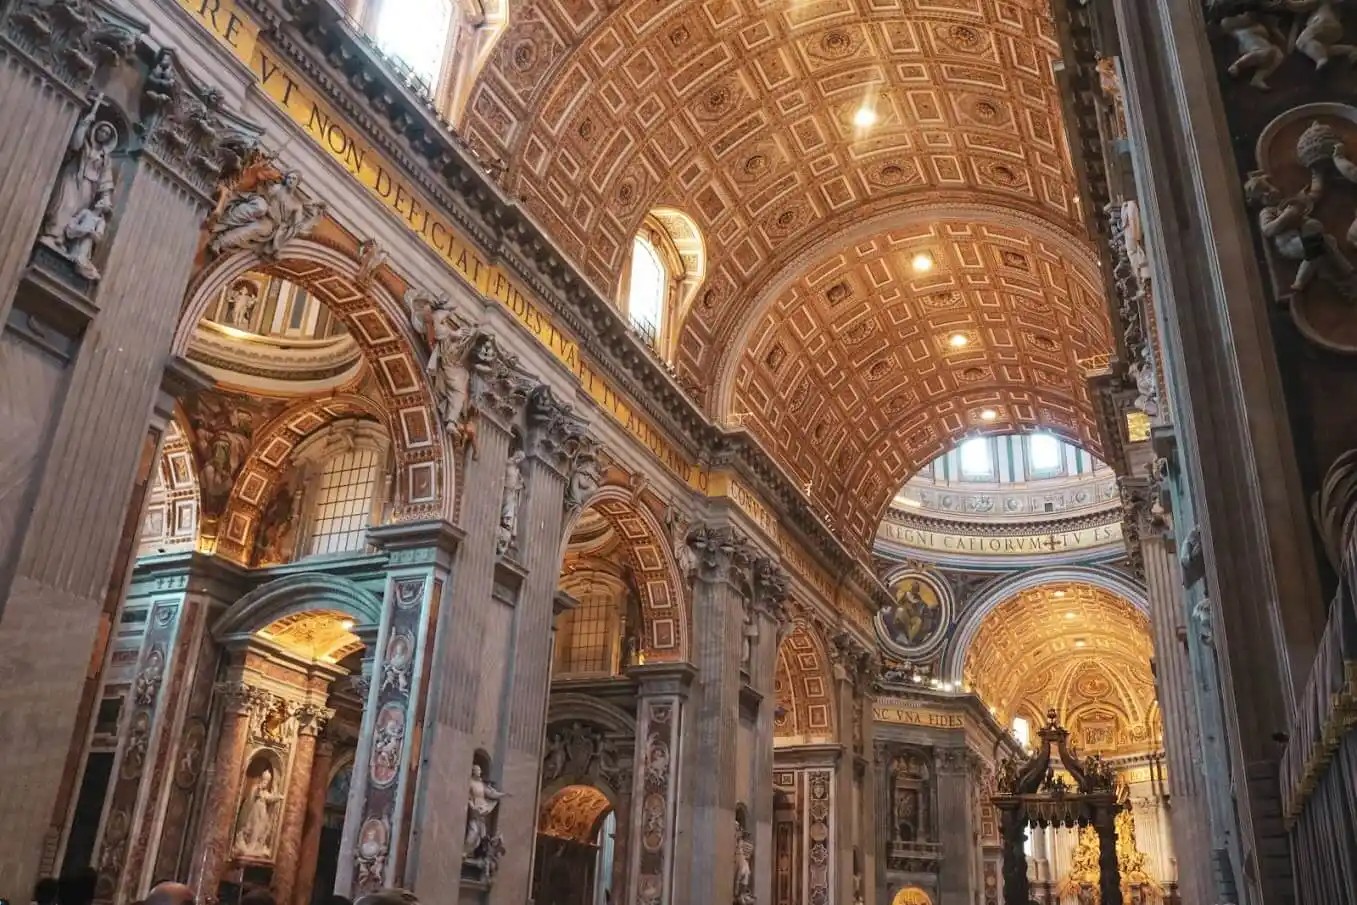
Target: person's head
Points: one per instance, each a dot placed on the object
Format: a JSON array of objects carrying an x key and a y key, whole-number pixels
[
  {"x": 337, "y": 899},
  {"x": 388, "y": 897},
  {"x": 77, "y": 887},
  {"x": 257, "y": 895},
  {"x": 169, "y": 893},
  {"x": 45, "y": 891}
]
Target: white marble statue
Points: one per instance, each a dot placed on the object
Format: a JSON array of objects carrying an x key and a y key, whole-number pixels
[
  {"x": 266, "y": 219},
  {"x": 483, "y": 800},
  {"x": 82, "y": 200},
  {"x": 744, "y": 868},
  {"x": 1321, "y": 36},
  {"x": 1259, "y": 52},
  {"x": 448, "y": 340},
  {"x": 240, "y": 302},
  {"x": 513, "y": 496},
  {"x": 255, "y": 831}
]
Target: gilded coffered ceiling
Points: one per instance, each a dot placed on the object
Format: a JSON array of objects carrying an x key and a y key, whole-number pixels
[
  {"x": 855, "y": 378},
  {"x": 747, "y": 116},
  {"x": 322, "y": 635},
  {"x": 1078, "y": 648},
  {"x": 803, "y": 685}
]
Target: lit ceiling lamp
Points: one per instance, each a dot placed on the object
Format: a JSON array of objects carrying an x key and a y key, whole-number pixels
[
  {"x": 1080, "y": 643},
  {"x": 1069, "y": 615},
  {"x": 865, "y": 116},
  {"x": 1060, "y": 593},
  {"x": 346, "y": 624},
  {"x": 988, "y": 415},
  {"x": 921, "y": 262},
  {"x": 958, "y": 341}
]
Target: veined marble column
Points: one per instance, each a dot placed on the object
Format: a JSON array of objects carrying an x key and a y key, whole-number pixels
[
  {"x": 219, "y": 816},
  {"x": 661, "y": 703},
  {"x": 721, "y": 591},
  {"x": 291, "y": 840},
  {"x": 316, "y": 792}
]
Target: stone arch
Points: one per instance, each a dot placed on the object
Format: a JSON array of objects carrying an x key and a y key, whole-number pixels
[
  {"x": 376, "y": 319},
  {"x": 998, "y": 592},
  {"x": 665, "y": 609},
  {"x": 273, "y": 448},
  {"x": 294, "y": 594},
  {"x": 804, "y": 684},
  {"x": 569, "y": 708}
]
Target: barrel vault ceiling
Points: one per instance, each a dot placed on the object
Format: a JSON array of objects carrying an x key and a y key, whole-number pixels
[{"x": 814, "y": 329}]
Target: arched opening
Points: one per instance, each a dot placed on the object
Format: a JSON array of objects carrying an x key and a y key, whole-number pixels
[
  {"x": 576, "y": 848},
  {"x": 170, "y": 524},
  {"x": 911, "y": 895},
  {"x": 666, "y": 267}
]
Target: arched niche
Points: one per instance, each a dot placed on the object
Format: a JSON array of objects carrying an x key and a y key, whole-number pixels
[
  {"x": 804, "y": 685},
  {"x": 295, "y": 594}
]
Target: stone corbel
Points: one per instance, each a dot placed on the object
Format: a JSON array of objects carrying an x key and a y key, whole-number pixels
[{"x": 312, "y": 718}]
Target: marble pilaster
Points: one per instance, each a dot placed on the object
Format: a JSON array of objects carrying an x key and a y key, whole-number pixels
[
  {"x": 654, "y": 871},
  {"x": 379, "y": 822},
  {"x": 321, "y": 764},
  {"x": 554, "y": 438},
  {"x": 238, "y": 700},
  {"x": 291, "y": 840},
  {"x": 721, "y": 591},
  {"x": 96, "y": 377},
  {"x": 771, "y": 624},
  {"x": 955, "y": 823}
]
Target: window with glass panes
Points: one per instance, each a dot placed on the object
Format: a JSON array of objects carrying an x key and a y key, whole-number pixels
[
  {"x": 416, "y": 33},
  {"x": 343, "y": 502},
  {"x": 586, "y": 636}
]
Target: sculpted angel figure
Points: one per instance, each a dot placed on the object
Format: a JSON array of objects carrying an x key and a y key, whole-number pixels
[
  {"x": 267, "y": 218},
  {"x": 744, "y": 870},
  {"x": 1296, "y": 235},
  {"x": 448, "y": 340},
  {"x": 82, "y": 201},
  {"x": 1259, "y": 52}
]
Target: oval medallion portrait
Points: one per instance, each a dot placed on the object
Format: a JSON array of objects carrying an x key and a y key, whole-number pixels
[{"x": 916, "y": 621}]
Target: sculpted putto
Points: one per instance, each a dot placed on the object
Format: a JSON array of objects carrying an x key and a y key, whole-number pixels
[
  {"x": 265, "y": 218},
  {"x": 1259, "y": 52},
  {"x": 1287, "y": 222}
]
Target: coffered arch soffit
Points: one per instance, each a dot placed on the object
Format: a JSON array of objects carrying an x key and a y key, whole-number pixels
[
  {"x": 1040, "y": 647},
  {"x": 803, "y": 683},
  {"x": 742, "y": 115},
  {"x": 373, "y": 315}
]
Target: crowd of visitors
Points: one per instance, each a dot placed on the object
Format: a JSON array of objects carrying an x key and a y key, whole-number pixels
[{"x": 81, "y": 887}]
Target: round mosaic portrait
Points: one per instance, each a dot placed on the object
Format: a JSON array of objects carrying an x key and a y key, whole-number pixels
[{"x": 916, "y": 622}]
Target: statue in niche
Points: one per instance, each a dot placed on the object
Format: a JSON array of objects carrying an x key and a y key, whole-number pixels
[
  {"x": 1298, "y": 236},
  {"x": 82, "y": 201},
  {"x": 258, "y": 812},
  {"x": 240, "y": 304},
  {"x": 513, "y": 496},
  {"x": 553, "y": 765},
  {"x": 266, "y": 217},
  {"x": 744, "y": 861},
  {"x": 1321, "y": 35},
  {"x": 479, "y": 844},
  {"x": 684, "y": 557},
  {"x": 749, "y": 634},
  {"x": 1259, "y": 49},
  {"x": 448, "y": 340}
]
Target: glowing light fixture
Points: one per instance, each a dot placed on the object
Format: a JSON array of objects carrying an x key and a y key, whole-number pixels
[
  {"x": 988, "y": 415},
  {"x": 1069, "y": 615},
  {"x": 1060, "y": 593},
  {"x": 922, "y": 262},
  {"x": 346, "y": 624},
  {"x": 865, "y": 117},
  {"x": 1081, "y": 643},
  {"x": 958, "y": 341}
]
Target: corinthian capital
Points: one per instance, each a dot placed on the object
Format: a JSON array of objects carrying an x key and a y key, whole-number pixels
[
  {"x": 499, "y": 385},
  {"x": 720, "y": 553},
  {"x": 554, "y": 429},
  {"x": 770, "y": 586},
  {"x": 241, "y": 697}
]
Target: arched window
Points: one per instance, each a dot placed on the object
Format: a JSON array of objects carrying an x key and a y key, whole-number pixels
[
  {"x": 977, "y": 459},
  {"x": 416, "y": 32},
  {"x": 337, "y": 492},
  {"x": 1022, "y": 731},
  {"x": 1043, "y": 454},
  {"x": 343, "y": 502},
  {"x": 646, "y": 296},
  {"x": 588, "y": 638}
]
